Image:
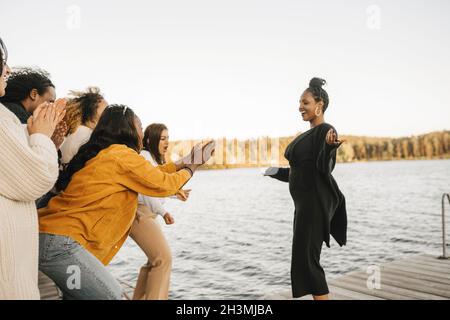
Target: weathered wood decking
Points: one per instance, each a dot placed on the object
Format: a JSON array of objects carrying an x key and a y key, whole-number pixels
[
  {"x": 423, "y": 277},
  {"x": 420, "y": 277},
  {"x": 47, "y": 288}
]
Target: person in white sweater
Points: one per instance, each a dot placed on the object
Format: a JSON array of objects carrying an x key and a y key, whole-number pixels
[
  {"x": 154, "y": 277},
  {"x": 84, "y": 109},
  {"x": 29, "y": 168},
  {"x": 156, "y": 205}
]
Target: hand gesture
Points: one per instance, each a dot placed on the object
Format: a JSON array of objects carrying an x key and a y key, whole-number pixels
[
  {"x": 332, "y": 139},
  {"x": 183, "y": 195},
  {"x": 45, "y": 118},
  {"x": 59, "y": 134}
]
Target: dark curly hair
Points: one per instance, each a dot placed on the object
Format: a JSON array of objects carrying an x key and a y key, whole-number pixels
[
  {"x": 22, "y": 80},
  {"x": 116, "y": 126},
  {"x": 319, "y": 94}
]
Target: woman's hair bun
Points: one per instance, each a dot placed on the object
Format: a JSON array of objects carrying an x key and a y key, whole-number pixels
[{"x": 317, "y": 83}]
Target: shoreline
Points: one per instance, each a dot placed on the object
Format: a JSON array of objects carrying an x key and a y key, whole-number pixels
[{"x": 247, "y": 166}]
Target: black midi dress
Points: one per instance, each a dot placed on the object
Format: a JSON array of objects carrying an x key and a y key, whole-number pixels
[{"x": 319, "y": 207}]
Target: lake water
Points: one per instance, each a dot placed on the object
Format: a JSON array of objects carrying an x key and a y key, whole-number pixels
[{"x": 232, "y": 238}]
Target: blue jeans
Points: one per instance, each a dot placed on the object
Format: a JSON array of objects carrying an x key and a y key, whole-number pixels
[{"x": 77, "y": 273}]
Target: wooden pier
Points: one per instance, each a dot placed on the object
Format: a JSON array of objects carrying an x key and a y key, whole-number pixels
[{"x": 420, "y": 277}]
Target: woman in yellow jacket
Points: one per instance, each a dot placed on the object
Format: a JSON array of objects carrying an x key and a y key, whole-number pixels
[{"x": 83, "y": 227}]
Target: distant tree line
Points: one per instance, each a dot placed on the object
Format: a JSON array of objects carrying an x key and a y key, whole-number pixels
[{"x": 267, "y": 151}]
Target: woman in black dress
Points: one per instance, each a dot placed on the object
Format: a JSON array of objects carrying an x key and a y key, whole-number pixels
[{"x": 319, "y": 204}]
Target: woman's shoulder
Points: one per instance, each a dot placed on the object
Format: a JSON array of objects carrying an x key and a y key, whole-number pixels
[
  {"x": 7, "y": 116},
  {"x": 82, "y": 131},
  {"x": 119, "y": 150},
  {"x": 324, "y": 128},
  {"x": 148, "y": 156},
  {"x": 11, "y": 125},
  {"x": 119, "y": 154}
]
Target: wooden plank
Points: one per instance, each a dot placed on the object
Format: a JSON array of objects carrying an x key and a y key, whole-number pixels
[
  {"x": 442, "y": 291},
  {"x": 437, "y": 275},
  {"x": 415, "y": 275},
  {"x": 338, "y": 297},
  {"x": 47, "y": 288},
  {"x": 432, "y": 261},
  {"x": 429, "y": 261},
  {"x": 386, "y": 288},
  {"x": 436, "y": 256},
  {"x": 49, "y": 296},
  {"x": 440, "y": 266},
  {"x": 345, "y": 294},
  {"x": 357, "y": 287},
  {"x": 442, "y": 271}
]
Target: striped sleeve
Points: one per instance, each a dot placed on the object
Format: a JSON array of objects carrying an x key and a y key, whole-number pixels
[{"x": 28, "y": 164}]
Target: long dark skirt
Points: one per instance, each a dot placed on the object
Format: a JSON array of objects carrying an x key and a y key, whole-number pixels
[{"x": 307, "y": 275}]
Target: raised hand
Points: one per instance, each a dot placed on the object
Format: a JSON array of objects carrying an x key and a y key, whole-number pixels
[
  {"x": 332, "y": 139},
  {"x": 60, "y": 105},
  {"x": 200, "y": 153},
  {"x": 271, "y": 171},
  {"x": 44, "y": 119},
  {"x": 59, "y": 134},
  {"x": 208, "y": 150},
  {"x": 183, "y": 195}
]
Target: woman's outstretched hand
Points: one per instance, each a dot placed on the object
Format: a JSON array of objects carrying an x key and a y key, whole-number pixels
[
  {"x": 198, "y": 156},
  {"x": 271, "y": 171},
  {"x": 202, "y": 152},
  {"x": 183, "y": 195},
  {"x": 332, "y": 139}
]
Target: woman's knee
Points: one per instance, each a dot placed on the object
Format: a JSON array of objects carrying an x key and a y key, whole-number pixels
[{"x": 162, "y": 257}]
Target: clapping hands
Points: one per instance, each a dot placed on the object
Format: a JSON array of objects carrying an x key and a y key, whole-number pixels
[{"x": 46, "y": 117}]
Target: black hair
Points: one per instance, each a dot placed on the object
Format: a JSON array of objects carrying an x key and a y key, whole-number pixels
[
  {"x": 115, "y": 126},
  {"x": 319, "y": 94},
  {"x": 152, "y": 137},
  {"x": 3, "y": 55},
  {"x": 23, "y": 80}
]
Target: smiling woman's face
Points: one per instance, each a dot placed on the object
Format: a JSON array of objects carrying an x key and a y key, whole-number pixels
[{"x": 309, "y": 106}]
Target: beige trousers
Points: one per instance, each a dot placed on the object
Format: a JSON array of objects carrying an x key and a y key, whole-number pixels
[{"x": 154, "y": 277}]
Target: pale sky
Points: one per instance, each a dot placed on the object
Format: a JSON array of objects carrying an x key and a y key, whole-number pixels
[{"x": 237, "y": 68}]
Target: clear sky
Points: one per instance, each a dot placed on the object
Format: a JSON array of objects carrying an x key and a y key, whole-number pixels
[{"x": 237, "y": 68}]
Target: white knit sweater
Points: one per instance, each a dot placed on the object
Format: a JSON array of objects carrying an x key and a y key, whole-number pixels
[{"x": 28, "y": 169}]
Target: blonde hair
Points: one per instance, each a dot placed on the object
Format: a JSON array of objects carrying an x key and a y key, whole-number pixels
[{"x": 82, "y": 107}]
